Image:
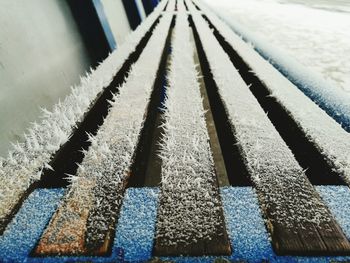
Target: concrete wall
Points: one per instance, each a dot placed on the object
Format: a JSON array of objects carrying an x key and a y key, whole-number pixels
[
  {"x": 41, "y": 55},
  {"x": 117, "y": 19}
]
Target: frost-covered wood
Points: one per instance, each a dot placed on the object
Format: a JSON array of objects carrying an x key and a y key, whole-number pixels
[
  {"x": 181, "y": 6},
  {"x": 191, "y": 7},
  {"x": 190, "y": 217},
  {"x": 97, "y": 189},
  {"x": 298, "y": 220},
  {"x": 25, "y": 162},
  {"x": 171, "y": 6},
  {"x": 329, "y": 138}
]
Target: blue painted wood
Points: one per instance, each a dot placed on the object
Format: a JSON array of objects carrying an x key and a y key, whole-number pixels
[
  {"x": 155, "y": 3},
  {"x": 148, "y": 5},
  {"x": 105, "y": 25},
  {"x": 140, "y": 9},
  {"x": 88, "y": 19},
  {"x": 132, "y": 13},
  {"x": 136, "y": 228}
]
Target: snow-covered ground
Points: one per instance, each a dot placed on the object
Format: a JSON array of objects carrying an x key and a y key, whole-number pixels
[{"x": 315, "y": 33}]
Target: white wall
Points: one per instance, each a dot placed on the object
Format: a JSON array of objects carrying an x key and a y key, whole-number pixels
[{"x": 41, "y": 56}]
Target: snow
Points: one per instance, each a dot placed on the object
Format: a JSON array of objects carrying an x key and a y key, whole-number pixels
[
  {"x": 97, "y": 189},
  {"x": 318, "y": 39},
  {"x": 25, "y": 162},
  {"x": 283, "y": 188},
  {"x": 189, "y": 188},
  {"x": 311, "y": 47},
  {"x": 330, "y": 139},
  {"x": 334, "y": 5}
]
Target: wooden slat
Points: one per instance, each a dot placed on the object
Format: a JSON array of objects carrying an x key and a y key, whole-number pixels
[
  {"x": 190, "y": 217},
  {"x": 86, "y": 219},
  {"x": 295, "y": 215},
  {"x": 171, "y": 6},
  {"x": 330, "y": 143}
]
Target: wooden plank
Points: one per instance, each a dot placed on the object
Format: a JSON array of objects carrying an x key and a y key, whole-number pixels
[
  {"x": 296, "y": 217},
  {"x": 190, "y": 217},
  {"x": 85, "y": 222},
  {"x": 171, "y": 6}
]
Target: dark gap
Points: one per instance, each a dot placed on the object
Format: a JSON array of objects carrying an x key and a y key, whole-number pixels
[
  {"x": 152, "y": 177},
  {"x": 236, "y": 169},
  {"x": 316, "y": 167},
  {"x": 66, "y": 159},
  {"x": 196, "y": 6},
  {"x": 219, "y": 163},
  {"x": 186, "y": 5},
  {"x": 150, "y": 132},
  {"x": 154, "y": 163},
  {"x": 166, "y": 6},
  {"x": 175, "y": 5}
]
